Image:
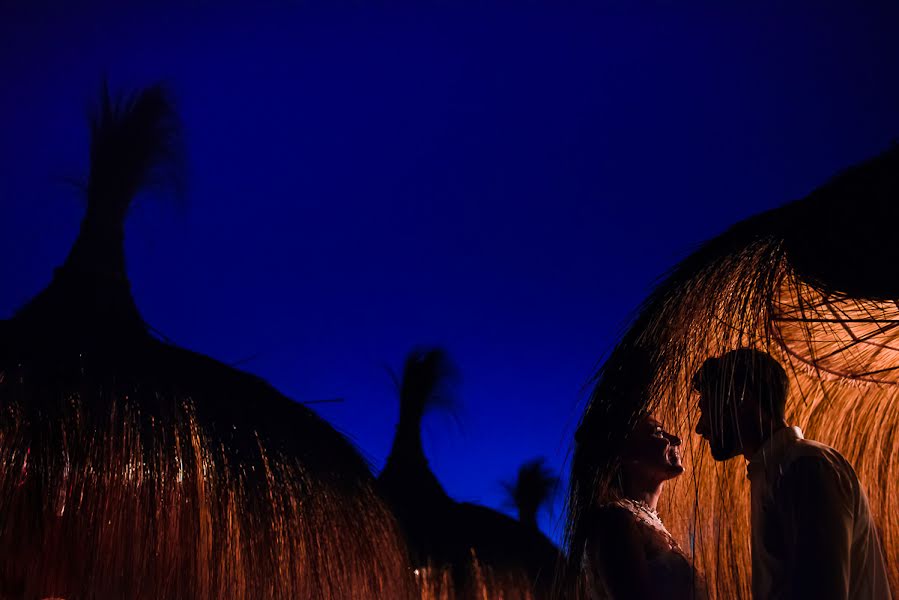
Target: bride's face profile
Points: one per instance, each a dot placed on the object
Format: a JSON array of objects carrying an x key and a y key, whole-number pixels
[{"x": 653, "y": 450}]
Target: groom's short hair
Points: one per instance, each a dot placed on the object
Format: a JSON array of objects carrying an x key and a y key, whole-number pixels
[{"x": 755, "y": 371}]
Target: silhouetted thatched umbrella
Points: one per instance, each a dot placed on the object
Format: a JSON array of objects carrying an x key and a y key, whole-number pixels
[
  {"x": 462, "y": 550},
  {"x": 816, "y": 284},
  {"x": 135, "y": 469},
  {"x": 427, "y": 383}
]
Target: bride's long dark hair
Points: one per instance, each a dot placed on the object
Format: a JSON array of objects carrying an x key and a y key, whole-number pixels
[{"x": 617, "y": 402}]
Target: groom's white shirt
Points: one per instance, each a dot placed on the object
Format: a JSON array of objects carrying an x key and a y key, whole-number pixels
[{"x": 812, "y": 531}]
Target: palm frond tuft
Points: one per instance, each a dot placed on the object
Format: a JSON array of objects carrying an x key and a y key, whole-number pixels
[
  {"x": 429, "y": 381},
  {"x": 534, "y": 488},
  {"x": 135, "y": 144}
]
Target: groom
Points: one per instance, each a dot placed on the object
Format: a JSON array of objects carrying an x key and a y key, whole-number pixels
[{"x": 812, "y": 531}]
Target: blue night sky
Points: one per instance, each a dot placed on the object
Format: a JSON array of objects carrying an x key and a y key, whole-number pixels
[{"x": 505, "y": 181}]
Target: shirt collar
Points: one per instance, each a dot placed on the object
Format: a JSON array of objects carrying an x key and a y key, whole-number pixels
[{"x": 772, "y": 448}]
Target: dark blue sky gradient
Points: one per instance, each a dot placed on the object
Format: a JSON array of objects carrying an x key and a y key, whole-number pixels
[{"x": 505, "y": 181}]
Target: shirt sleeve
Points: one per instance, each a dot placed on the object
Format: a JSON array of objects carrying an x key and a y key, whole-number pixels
[{"x": 814, "y": 501}]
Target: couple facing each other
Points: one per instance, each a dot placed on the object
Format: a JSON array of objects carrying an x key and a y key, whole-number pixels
[{"x": 812, "y": 531}]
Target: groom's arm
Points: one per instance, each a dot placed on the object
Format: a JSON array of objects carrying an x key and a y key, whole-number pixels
[{"x": 815, "y": 506}]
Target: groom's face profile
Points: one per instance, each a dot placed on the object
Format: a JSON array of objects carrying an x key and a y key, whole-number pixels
[
  {"x": 718, "y": 435},
  {"x": 719, "y": 413}
]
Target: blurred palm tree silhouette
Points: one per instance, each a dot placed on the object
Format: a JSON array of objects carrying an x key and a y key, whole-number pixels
[{"x": 532, "y": 490}]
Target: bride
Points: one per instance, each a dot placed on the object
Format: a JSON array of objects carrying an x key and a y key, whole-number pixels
[
  {"x": 619, "y": 548},
  {"x": 630, "y": 553}
]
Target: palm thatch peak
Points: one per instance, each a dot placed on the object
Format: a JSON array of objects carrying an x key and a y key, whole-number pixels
[
  {"x": 135, "y": 144},
  {"x": 428, "y": 382},
  {"x": 533, "y": 489}
]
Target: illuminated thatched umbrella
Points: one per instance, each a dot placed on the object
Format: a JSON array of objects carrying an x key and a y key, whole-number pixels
[
  {"x": 461, "y": 550},
  {"x": 816, "y": 284},
  {"x": 135, "y": 469}
]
